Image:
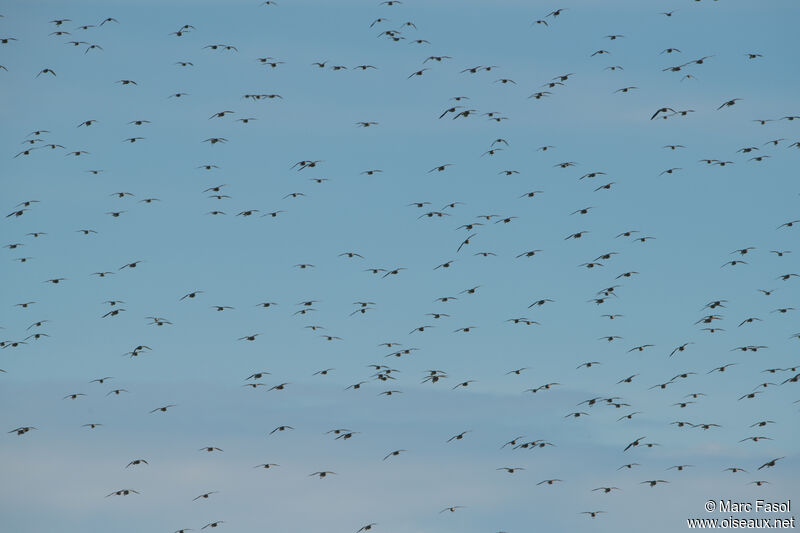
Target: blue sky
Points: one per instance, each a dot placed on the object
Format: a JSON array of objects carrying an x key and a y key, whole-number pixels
[{"x": 59, "y": 474}]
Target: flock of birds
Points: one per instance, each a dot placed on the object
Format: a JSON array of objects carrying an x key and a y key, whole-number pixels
[{"x": 25, "y": 329}]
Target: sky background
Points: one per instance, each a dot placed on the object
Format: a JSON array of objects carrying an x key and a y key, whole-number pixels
[{"x": 58, "y": 475}]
